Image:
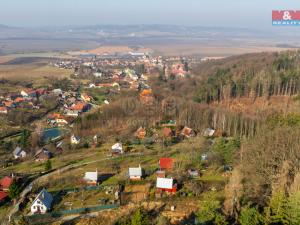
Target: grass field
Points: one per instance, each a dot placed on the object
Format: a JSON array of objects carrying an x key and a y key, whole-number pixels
[{"x": 36, "y": 73}]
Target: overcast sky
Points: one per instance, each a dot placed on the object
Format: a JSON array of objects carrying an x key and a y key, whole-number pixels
[{"x": 220, "y": 13}]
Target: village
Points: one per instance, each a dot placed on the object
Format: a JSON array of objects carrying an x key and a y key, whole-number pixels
[{"x": 95, "y": 84}]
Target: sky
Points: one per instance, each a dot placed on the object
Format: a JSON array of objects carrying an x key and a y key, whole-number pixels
[{"x": 216, "y": 13}]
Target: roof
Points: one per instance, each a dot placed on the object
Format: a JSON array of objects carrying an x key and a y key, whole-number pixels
[
  {"x": 135, "y": 171},
  {"x": 117, "y": 147},
  {"x": 164, "y": 183},
  {"x": 91, "y": 176},
  {"x": 45, "y": 197},
  {"x": 8, "y": 103},
  {"x": 146, "y": 92},
  {"x": 3, "y": 195},
  {"x": 78, "y": 106},
  {"x": 3, "y": 109},
  {"x": 5, "y": 182},
  {"x": 186, "y": 131},
  {"x": 208, "y": 132},
  {"x": 19, "y": 99},
  {"x": 167, "y": 132},
  {"x": 166, "y": 163},
  {"x": 43, "y": 151},
  {"x": 17, "y": 151}
]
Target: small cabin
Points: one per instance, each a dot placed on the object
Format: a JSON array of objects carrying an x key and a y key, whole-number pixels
[
  {"x": 91, "y": 178},
  {"x": 135, "y": 173},
  {"x": 117, "y": 149},
  {"x": 166, "y": 185},
  {"x": 19, "y": 153}
]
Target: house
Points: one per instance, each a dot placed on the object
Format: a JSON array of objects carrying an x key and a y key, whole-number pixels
[
  {"x": 188, "y": 132},
  {"x": 166, "y": 163},
  {"x": 3, "y": 196},
  {"x": 19, "y": 153},
  {"x": 146, "y": 96},
  {"x": 75, "y": 140},
  {"x": 91, "y": 178},
  {"x": 61, "y": 121},
  {"x": 5, "y": 183},
  {"x": 92, "y": 85},
  {"x": 141, "y": 133},
  {"x": 193, "y": 173},
  {"x": 80, "y": 107},
  {"x": 24, "y": 94},
  {"x": 9, "y": 104},
  {"x": 168, "y": 132},
  {"x": 19, "y": 100},
  {"x": 72, "y": 113},
  {"x": 3, "y": 110},
  {"x": 85, "y": 97},
  {"x": 208, "y": 132},
  {"x": 117, "y": 149},
  {"x": 135, "y": 173},
  {"x": 42, "y": 203},
  {"x": 166, "y": 184},
  {"x": 42, "y": 155},
  {"x": 57, "y": 91}
]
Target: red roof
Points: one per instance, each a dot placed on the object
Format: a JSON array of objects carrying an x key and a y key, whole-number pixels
[
  {"x": 79, "y": 106},
  {"x": 166, "y": 163},
  {"x": 3, "y": 195},
  {"x": 5, "y": 182}
]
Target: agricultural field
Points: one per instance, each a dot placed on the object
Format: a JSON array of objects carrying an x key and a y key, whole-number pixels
[{"x": 37, "y": 73}]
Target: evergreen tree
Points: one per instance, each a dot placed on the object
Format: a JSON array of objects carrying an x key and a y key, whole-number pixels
[
  {"x": 275, "y": 213},
  {"x": 210, "y": 212},
  {"x": 14, "y": 191},
  {"x": 140, "y": 217},
  {"x": 293, "y": 208},
  {"x": 250, "y": 216},
  {"x": 24, "y": 139},
  {"x": 48, "y": 165}
]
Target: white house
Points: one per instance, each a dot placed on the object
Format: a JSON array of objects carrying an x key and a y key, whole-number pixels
[
  {"x": 42, "y": 203},
  {"x": 75, "y": 140},
  {"x": 208, "y": 132},
  {"x": 91, "y": 178},
  {"x": 61, "y": 121},
  {"x": 92, "y": 85},
  {"x": 57, "y": 91},
  {"x": 97, "y": 74},
  {"x": 117, "y": 148},
  {"x": 166, "y": 184},
  {"x": 24, "y": 94},
  {"x": 72, "y": 113},
  {"x": 135, "y": 173},
  {"x": 19, "y": 153}
]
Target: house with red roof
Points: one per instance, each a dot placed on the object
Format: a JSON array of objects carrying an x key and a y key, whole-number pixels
[
  {"x": 3, "y": 110},
  {"x": 166, "y": 163},
  {"x": 5, "y": 183},
  {"x": 8, "y": 103},
  {"x": 3, "y": 196}
]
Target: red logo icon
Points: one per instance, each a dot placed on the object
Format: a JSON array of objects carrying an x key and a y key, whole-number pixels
[{"x": 285, "y": 15}]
